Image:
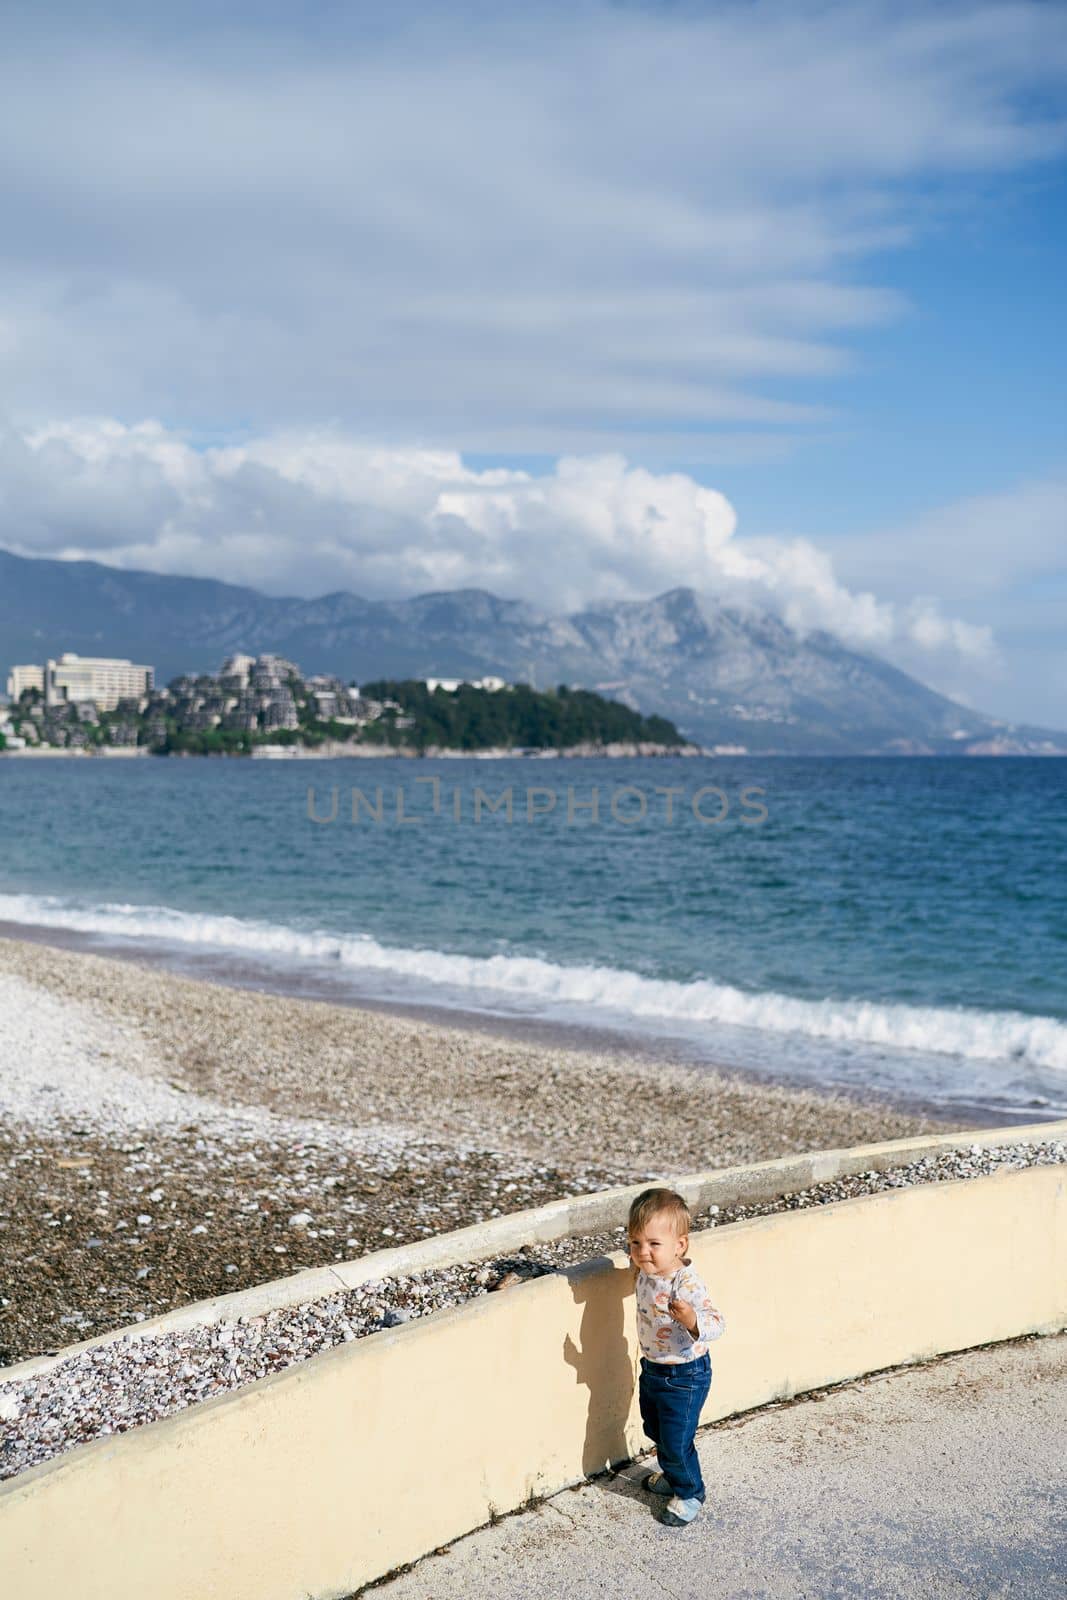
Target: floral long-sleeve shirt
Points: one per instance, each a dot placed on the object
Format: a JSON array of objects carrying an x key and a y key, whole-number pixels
[{"x": 663, "y": 1339}]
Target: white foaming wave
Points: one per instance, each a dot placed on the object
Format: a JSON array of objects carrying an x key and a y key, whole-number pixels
[{"x": 955, "y": 1031}]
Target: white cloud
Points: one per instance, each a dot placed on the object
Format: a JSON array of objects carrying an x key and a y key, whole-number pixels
[
  {"x": 981, "y": 545},
  {"x": 1003, "y": 553},
  {"x": 306, "y": 513},
  {"x": 549, "y": 229}
]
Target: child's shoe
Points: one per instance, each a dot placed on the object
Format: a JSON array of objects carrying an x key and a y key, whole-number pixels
[
  {"x": 656, "y": 1483},
  {"x": 679, "y": 1513}
]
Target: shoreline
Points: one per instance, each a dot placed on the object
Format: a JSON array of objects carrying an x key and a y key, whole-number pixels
[
  {"x": 338, "y": 750},
  {"x": 231, "y": 970},
  {"x": 571, "y": 752},
  {"x": 165, "y": 1139}
]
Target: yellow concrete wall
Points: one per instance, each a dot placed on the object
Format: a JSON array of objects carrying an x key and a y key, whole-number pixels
[
  {"x": 321, "y": 1478},
  {"x": 557, "y": 1219}
]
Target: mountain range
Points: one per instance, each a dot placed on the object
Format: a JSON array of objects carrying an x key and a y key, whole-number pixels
[{"x": 728, "y": 678}]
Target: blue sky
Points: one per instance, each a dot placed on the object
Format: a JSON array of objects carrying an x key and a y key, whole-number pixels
[
  {"x": 959, "y": 396},
  {"x": 572, "y": 302}
]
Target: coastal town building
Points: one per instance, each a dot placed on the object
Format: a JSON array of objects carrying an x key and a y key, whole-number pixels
[
  {"x": 103, "y": 680},
  {"x": 281, "y": 713},
  {"x": 238, "y": 666},
  {"x": 109, "y": 704},
  {"x": 19, "y": 679},
  {"x": 334, "y": 701}
]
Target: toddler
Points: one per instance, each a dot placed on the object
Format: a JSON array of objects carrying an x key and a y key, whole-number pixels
[{"x": 675, "y": 1323}]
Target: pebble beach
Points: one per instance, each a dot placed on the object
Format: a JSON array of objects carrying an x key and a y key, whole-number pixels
[
  {"x": 160, "y": 1134},
  {"x": 164, "y": 1140}
]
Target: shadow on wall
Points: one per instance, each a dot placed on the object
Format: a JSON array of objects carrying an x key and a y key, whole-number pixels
[{"x": 604, "y": 1365}]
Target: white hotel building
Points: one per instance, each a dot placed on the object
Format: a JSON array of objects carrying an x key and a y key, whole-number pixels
[{"x": 103, "y": 679}]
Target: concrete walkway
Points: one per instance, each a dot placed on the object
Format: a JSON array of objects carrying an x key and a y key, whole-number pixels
[{"x": 946, "y": 1480}]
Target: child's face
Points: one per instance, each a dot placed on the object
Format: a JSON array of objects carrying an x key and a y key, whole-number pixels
[{"x": 656, "y": 1248}]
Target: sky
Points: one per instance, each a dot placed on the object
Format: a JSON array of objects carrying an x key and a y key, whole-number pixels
[{"x": 572, "y": 302}]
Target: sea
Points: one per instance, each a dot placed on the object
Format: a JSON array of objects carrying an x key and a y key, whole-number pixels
[{"x": 883, "y": 926}]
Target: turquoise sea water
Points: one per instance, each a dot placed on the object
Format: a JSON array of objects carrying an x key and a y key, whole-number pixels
[{"x": 893, "y": 924}]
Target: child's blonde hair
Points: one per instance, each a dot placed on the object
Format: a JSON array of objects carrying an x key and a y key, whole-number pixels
[{"x": 659, "y": 1203}]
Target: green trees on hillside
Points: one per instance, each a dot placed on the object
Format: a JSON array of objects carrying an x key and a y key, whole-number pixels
[{"x": 516, "y": 717}]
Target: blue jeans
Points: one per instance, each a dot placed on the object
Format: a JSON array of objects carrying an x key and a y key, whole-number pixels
[{"x": 671, "y": 1396}]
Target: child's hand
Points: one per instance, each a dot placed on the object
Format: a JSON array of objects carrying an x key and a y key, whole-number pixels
[{"x": 683, "y": 1312}]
